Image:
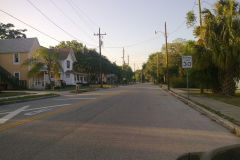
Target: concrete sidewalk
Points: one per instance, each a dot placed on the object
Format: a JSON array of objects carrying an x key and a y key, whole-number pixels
[{"x": 224, "y": 108}]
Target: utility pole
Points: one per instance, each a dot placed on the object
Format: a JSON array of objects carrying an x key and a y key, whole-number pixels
[
  {"x": 157, "y": 66},
  {"x": 166, "y": 46},
  {"x": 200, "y": 13},
  {"x": 201, "y": 36},
  {"x": 128, "y": 60},
  {"x": 123, "y": 58},
  {"x": 134, "y": 66},
  {"x": 99, "y": 34},
  {"x": 134, "y": 73}
]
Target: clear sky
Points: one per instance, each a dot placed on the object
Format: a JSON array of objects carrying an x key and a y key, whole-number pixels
[{"x": 128, "y": 23}]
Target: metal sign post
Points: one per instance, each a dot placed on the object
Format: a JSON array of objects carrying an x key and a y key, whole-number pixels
[{"x": 187, "y": 63}]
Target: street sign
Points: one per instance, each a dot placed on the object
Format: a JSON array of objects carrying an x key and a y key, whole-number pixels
[{"x": 186, "y": 61}]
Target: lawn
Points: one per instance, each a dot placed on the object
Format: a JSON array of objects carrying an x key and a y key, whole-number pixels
[
  {"x": 10, "y": 94},
  {"x": 234, "y": 100},
  {"x": 26, "y": 97}
]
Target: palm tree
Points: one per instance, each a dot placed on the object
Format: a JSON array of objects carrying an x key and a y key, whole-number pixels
[
  {"x": 44, "y": 59},
  {"x": 221, "y": 34}
]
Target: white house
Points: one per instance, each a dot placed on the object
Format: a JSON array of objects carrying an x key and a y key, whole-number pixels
[
  {"x": 66, "y": 60},
  {"x": 67, "y": 75}
]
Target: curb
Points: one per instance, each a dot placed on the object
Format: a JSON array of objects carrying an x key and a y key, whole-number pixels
[
  {"x": 229, "y": 125},
  {"x": 26, "y": 100}
]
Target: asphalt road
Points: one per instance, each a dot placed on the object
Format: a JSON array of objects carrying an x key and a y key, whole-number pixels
[{"x": 138, "y": 122}]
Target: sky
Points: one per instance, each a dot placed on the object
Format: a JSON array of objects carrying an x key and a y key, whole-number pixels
[{"x": 128, "y": 23}]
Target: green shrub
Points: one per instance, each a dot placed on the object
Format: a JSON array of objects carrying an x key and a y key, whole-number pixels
[{"x": 178, "y": 82}]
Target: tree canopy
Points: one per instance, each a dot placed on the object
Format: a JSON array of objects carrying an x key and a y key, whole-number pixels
[
  {"x": 6, "y": 32},
  {"x": 219, "y": 39}
]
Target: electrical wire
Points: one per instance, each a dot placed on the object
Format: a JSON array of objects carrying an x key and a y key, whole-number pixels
[
  {"x": 209, "y": 4},
  {"x": 71, "y": 20},
  {"x": 74, "y": 8},
  {"x": 89, "y": 18},
  {"x": 50, "y": 20},
  {"x": 134, "y": 44},
  {"x": 47, "y": 35}
]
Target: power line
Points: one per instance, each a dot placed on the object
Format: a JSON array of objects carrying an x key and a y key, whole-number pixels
[
  {"x": 89, "y": 18},
  {"x": 70, "y": 19},
  {"x": 209, "y": 4},
  {"x": 134, "y": 44},
  {"x": 44, "y": 15},
  {"x": 29, "y": 26},
  {"x": 180, "y": 26},
  {"x": 74, "y": 6}
]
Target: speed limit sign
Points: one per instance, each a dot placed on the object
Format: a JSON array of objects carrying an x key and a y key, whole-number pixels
[{"x": 186, "y": 61}]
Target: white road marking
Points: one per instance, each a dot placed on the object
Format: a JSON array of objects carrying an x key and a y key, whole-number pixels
[
  {"x": 42, "y": 109},
  {"x": 73, "y": 98},
  {"x": 38, "y": 108},
  {"x": 36, "y": 112},
  {"x": 12, "y": 114},
  {"x": 47, "y": 107}
]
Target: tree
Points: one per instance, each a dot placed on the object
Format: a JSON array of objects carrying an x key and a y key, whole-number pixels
[
  {"x": 75, "y": 45},
  {"x": 6, "y": 32},
  {"x": 220, "y": 37},
  {"x": 44, "y": 59}
]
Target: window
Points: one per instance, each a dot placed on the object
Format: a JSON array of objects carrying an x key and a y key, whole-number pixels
[
  {"x": 16, "y": 58},
  {"x": 17, "y": 75},
  {"x": 68, "y": 64},
  {"x": 67, "y": 75}
]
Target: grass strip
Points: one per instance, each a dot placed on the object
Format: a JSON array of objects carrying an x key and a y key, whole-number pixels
[
  {"x": 27, "y": 97},
  {"x": 10, "y": 94}
]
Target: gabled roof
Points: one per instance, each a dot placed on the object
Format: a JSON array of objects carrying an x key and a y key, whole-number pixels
[
  {"x": 64, "y": 52},
  {"x": 18, "y": 45}
]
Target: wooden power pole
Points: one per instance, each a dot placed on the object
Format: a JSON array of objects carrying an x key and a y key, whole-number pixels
[
  {"x": 166, "y": 45},
  {"x": 123, "y": 62},
  {"x": 200, "y": 13},
  {"x": 99, "y": 34},
  {"x": 157, "y": 66}
]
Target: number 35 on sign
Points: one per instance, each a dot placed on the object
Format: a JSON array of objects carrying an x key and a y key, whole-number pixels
[{"x": 186, "y": 61}]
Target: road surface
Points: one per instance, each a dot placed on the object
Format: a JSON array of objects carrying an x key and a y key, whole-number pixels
[{"x": 137, "y": 122}]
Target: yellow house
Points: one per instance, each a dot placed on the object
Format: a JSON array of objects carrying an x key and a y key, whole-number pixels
[{"x": 13, "y": 52}]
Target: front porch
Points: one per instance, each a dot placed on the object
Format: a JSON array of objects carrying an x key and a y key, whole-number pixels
[{"x": 80, "y": 77}]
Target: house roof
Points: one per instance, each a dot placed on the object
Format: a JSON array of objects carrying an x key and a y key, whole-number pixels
[
  {"x": 18, "y": 45},
  {"x": 64, "y": 52}
]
